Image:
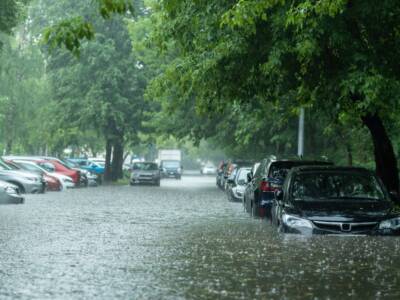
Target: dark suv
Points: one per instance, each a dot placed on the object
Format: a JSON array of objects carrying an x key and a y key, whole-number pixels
[{"x": 268, "y": 178}]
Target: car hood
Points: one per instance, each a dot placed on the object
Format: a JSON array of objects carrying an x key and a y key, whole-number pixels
[{"x": 344, "y": 211}]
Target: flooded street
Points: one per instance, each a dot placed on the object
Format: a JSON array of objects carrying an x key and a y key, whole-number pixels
[{"x": 181, "y": 241}]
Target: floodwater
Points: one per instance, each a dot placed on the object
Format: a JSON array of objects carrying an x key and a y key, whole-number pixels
[{"x": 181, "y": 241}]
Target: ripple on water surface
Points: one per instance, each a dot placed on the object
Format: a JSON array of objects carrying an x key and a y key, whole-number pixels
[{"x": 183, "y": 240}]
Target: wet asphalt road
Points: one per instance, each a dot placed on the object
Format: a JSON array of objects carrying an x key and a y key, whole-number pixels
[{"x": 181, "y": 241}]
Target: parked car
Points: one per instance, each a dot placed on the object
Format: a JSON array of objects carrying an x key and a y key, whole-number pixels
[
  {"x": 268, "y": 178},
  {"x": 52, "y": 182},
  {"x": 334, "y": 200},
  {"x": 10, "y": 193},
  {"x": 27, "y": 182},
  {"x": 145, "y": 172},
  {"x": 55, "y": 181},
  {"x": 171, "y": 168},
  {"x": 237, "y": 184},
  {"x": 230, "y": 168},
  {"x": 67, "y": 181},
  {"x": 220, "y": 173},
  {"x": 88, "y": 178},
  {"x": 88, "y": 165},
  {"x": 78, "y": 175},
  {"x": 208, "y": 169}
]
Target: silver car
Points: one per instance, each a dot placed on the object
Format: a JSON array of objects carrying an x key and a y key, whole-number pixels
[
  {"x": 27, "y": 182},
  {"x": 9, "y": 194},
  {"x": 145, "y": 172}
]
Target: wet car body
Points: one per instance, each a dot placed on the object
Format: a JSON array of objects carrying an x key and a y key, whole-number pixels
[
  {"x": 10, "y": 194},
  {"x": 269, "y": 177},
  {"x": 346, "y": 215},
  {"x": 145, "y": 173},
  {"x": 237, "y": 184},
  {"x": 27, "y": 182}
]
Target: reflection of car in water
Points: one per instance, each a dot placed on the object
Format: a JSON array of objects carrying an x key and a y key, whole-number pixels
[
  {"x": 171, "y": 168},
  {"x": 334, "y": 200},
  {"x": 145, "y": 172}
]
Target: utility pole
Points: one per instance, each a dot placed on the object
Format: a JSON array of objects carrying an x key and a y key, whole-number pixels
[{"x": 300, "y": 146}]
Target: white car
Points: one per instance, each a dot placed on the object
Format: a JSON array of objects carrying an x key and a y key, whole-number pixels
[{"x": 208, "y": 170}]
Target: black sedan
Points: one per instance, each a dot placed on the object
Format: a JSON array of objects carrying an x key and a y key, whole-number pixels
[
  {"x": 145, "y": 172},
  {"x": 334, "y": 200}
]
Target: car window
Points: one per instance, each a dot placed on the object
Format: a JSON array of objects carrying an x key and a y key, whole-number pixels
[
  {"x": 336, "y": 186},
  {"x": 242, "y": 175},
  {"x": 171, "y": 164},
  {"x": 145, "y": 166}
]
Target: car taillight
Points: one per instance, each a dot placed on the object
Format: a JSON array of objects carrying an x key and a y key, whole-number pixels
[{"x": 266, "y": 186}]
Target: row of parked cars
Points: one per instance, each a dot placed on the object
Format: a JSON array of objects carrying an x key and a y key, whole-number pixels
[
  {"x": 312, "y": 196},
  {"x": 38, "y": 174}
]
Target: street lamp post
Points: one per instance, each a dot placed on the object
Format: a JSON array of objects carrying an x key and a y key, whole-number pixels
[{"x": 300, "y": 146}]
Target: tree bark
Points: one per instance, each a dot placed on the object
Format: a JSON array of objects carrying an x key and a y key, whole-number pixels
[
  {"x": 117, "y": 160},
  {"x": 108, "y": 171},
  {"x": 349, "y": 151},
  {"x": 385, "y": 159}
]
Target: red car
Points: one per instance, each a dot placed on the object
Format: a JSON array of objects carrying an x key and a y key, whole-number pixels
[
  {"x": 52, "y": 183},
  {"x": 62, "y": 169}
]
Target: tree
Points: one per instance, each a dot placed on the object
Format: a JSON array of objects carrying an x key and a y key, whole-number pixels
[{"x": 335, "y": 56}]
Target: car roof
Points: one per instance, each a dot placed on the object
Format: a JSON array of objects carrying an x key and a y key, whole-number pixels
[
  {"x": 319, "y": 168},
  {"x": 297, "y": 158}
]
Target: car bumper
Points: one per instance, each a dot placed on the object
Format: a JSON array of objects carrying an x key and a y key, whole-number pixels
[
  {"x": 138, "y": 180},
  {"x": 318, "y": 231}
]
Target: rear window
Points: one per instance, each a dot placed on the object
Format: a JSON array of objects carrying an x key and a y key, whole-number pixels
[
  {"x": 280, "y": 169},
  {"x": 319, "y": 186}
]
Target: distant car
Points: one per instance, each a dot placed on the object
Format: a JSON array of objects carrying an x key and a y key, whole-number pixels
[
  {"x": 230, "y": 168},
  {"x": 27, "y": 182},
  {"x": 145, "y": 172},
  {"x": 220, "y": 173},
  {"x": 171, "y": 168},
  {"x": 10, "y": 194},
  {"x": 334, "y": 200},
  {"x": 208, "y": 170},
  {"x": 237, "y": 184},
  {"x": 268, "y": 178}
]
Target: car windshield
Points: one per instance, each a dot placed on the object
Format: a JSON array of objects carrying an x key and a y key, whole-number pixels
[
  {"x": 3, "y": 166},
  {"x": 171, "y": 164},
  {"x": 243, "y": 174},
  {"x": 145, "y": 166},
  {"x": 47, "y": 166},
  {"x": 336, "y": 186}
]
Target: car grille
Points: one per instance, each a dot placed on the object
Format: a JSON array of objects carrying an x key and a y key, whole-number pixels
[{"x": 346, "y": 226}]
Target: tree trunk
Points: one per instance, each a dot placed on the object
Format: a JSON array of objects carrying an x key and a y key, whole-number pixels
[
  {"x": 117, "y": 161},
  {"x": 385, "y": 159},
  {"x": 108, "y": 171}
]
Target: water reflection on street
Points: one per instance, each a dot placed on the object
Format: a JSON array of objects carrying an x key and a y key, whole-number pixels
[{"x": 181, "y": 241}]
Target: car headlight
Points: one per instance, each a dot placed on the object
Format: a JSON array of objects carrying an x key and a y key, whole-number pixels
[
  {"x": 10, "y": 190},
  {"x": 296, "y": 222},
  {"x": 179, "y": 170},
  {"x": 390, "y": 224}
]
